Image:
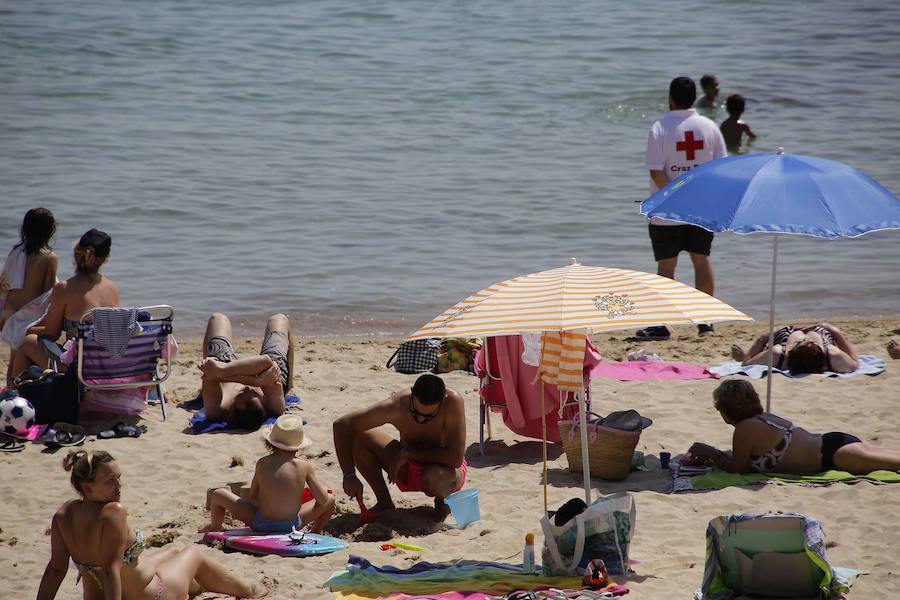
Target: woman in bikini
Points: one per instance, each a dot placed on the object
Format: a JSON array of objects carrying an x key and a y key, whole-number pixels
[
  {"x": 70, "y": 299},
  {"x": 813, "y": 349},
  {"x": 766, "y": 443},
  {"x": 110, "y": 556}
]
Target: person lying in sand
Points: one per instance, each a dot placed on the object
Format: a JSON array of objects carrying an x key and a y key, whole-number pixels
[
  {"x": 246, "y": 391},
  {"x": 812, "y": 349},
  {"x": 110, "y": 556},
  {"x": 277, "y": 489},
  {"x": 428, "y": 457},
  {"x": 766, "y": 443}
]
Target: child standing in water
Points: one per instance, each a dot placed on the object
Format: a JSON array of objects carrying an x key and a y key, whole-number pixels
[
  {"x": 733, "y": 128},
  {"x": 278, "y": 501}
]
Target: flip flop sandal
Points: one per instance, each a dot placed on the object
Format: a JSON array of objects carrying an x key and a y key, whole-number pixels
[
  {"x": 12, "y": 445},
  {"x": 653, "y": 334},
  {"x": 121, "y": 430},
  {"x": 64, "y": 435}
]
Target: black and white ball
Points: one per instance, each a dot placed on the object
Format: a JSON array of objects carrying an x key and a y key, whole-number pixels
[{"x": 16, "y": 415}]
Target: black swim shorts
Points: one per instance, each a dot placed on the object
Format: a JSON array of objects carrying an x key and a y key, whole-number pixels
[
  {"x": 831, "y": 443},
  {"x": 669, "y": 240}
]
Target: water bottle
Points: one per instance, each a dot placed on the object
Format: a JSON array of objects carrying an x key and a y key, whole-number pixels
[{"x": 528, "y": 554}]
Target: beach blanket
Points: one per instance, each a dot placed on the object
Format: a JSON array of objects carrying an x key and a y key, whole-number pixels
[
  {"x": 717, "y": 479},
  {"x": 402, "y": 596},
  {"x": 643, "y": 370},
  {"x": 200, "y": 424},
  {"x": 868, "y": 365},
  {"x": 362, "y": 577}
]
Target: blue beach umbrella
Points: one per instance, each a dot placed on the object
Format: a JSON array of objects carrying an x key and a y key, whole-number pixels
[{"x": 777, "y": 193}]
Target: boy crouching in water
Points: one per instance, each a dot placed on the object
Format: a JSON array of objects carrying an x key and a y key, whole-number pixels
[{"x": 278, "y": 501}]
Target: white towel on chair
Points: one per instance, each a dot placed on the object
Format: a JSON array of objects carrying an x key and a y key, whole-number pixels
[{"x": 113, "y": 328}]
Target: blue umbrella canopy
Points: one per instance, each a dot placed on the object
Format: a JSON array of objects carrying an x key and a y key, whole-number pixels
[{"x": 777, "y": 193}]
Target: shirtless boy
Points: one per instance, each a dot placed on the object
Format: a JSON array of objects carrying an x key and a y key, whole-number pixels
[
  {"x": 278, "y": 501},
  {"x": 733, "y": 128},
  {"x": 246, "y": 391},
  {"x": 428, "y": 457}
]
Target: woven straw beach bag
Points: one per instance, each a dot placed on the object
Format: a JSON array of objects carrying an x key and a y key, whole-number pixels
[{"x": 609, "y": 450}]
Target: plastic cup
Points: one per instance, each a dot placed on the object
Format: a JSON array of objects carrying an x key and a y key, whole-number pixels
[
  {"x": 464, "y": 506},
  {"x": 664, "y": 459}
]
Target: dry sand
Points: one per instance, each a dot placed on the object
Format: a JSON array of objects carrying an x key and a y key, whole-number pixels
[{"x": 167, "y": 471}]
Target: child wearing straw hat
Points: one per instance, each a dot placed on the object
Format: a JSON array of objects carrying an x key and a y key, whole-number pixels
[{"x": 281, "y": 490}]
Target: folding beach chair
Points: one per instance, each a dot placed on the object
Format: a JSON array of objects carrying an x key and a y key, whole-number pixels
[
  {"x": 125, "y": 360},
  {"x": 494, "y": 372},
  {"x": 780, "y": 555}
]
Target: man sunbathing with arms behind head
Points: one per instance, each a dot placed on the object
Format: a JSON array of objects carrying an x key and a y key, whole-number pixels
[
  {"x": 246, "y": 391},
  {"x": 427, "y": 458}
]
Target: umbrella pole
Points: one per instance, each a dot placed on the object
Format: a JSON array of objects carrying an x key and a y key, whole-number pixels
[
  {"x": 544, "y": 441},
  {"x": 585, "y": 460},
  {"x": 771, "y": 325}
]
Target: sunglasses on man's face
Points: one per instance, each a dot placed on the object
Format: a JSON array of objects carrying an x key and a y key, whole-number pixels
[{"x": 420, "y": 417}]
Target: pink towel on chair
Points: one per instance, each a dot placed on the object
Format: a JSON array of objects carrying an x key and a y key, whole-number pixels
[
  {"x": 642, "y": 370},
  {"x": 523, "y": 400}
]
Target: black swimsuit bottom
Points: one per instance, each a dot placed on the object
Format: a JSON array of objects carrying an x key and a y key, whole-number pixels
[{"x": 831, "y": 442}]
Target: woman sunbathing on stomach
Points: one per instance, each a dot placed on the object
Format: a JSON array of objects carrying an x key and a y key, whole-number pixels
[
  {"x": 112, "y": 563},
  {"x": 766, "y": 443},
  {"x": 813, "y": 349}
]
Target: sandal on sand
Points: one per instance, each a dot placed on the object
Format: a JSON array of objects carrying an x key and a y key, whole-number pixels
[
  {"x": 12, "y": 445},
  {"x": 64, "y": 434},
  {"x": 121, "y": 430},
  {"x": 657, "y": 333}
]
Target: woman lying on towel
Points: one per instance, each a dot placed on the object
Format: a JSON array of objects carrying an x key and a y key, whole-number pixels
[
  {"x": 70, "y": 299},
  {"x": 812, "y": 349},
  {"x": 110, "y": 556},
  {"x": 767, "y": 443}
]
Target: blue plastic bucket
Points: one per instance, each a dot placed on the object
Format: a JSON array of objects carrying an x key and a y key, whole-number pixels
[{"x": 464, "y": 506}]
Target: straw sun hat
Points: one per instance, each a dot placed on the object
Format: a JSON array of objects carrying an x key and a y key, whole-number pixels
[{"x": 287, "y": 434}]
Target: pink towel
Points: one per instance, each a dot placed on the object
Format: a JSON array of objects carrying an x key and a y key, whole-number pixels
[{"x": 642, "y": 370}]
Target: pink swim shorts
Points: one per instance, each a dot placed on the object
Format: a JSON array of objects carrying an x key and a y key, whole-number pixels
[{"x": 414, "y": 477}]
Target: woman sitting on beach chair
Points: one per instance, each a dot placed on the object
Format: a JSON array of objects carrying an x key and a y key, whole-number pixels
[
  {"x": 812, "y": 349},
  {"x": 110, "y": 556},
  {"x": 767, "y": 443},
  {"x": 70, "y": 299}
]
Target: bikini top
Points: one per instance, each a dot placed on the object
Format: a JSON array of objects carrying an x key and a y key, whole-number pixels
[
  {"x": 780, "y": 338},
  {"x": 766, "y": 463},
  {"x": 130, "y": 556}
]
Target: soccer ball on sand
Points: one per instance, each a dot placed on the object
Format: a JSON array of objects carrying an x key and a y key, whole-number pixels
[{"x": 16, "y": 415}]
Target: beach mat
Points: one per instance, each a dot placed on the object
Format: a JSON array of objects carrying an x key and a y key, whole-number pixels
[
  {"x": 363, "y": 578},
  {"x": 717, "y": 479},
  {"x": 200, "y": 424},
  {"x": 403, "y": 596},
  {"x": 868, "y": 365},
  {"x": 644, "y": 370}
]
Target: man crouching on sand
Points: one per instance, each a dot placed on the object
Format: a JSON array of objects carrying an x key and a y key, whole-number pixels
[{"x": 427, "y": 458}]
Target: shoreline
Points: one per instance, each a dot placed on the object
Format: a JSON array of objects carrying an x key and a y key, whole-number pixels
[{"x": 167, "y": 471}]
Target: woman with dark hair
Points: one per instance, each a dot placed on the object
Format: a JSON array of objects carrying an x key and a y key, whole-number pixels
[
  {"x": 767, "y": 443},
  {"x": 112, "y": 563},
  {"x": 70, "y": 299},
  {"x": 812, "y": 349},
  {"x": 28, "y": 275}
]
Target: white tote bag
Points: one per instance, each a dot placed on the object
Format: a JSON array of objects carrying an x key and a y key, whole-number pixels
[{"x": 603, "y": 530}]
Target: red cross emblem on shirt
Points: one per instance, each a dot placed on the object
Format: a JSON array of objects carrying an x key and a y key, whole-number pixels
[{"x": 689, "y": 145}]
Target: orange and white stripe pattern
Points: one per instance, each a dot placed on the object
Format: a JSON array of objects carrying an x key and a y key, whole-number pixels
[
  {"x": 562, "y": 359},
  {"x": 578, "y": 297}
]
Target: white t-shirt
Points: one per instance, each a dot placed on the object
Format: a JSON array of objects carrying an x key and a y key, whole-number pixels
[{"x": 677, "y": 143}]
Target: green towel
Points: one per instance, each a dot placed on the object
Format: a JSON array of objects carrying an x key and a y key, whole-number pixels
[{"x": 717, "y": 479}]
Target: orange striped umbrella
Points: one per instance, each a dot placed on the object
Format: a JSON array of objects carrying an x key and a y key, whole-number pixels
[
  {"x": 578, "y": 297},
  {"x": 569, "y": 302}
]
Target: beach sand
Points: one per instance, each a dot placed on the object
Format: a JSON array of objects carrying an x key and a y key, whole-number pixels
[{"x": 167, "y": 471}]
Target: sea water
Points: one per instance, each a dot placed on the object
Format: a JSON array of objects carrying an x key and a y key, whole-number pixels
[{"x": 363, "y": 165}]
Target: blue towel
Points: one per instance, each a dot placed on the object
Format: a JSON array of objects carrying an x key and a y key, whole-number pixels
[
  {"x": 868, "y": 365},
  {"x": 200, "y": 424}
]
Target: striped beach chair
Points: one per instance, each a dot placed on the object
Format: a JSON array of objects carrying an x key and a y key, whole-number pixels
[{"x": 126, "y": 360}]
